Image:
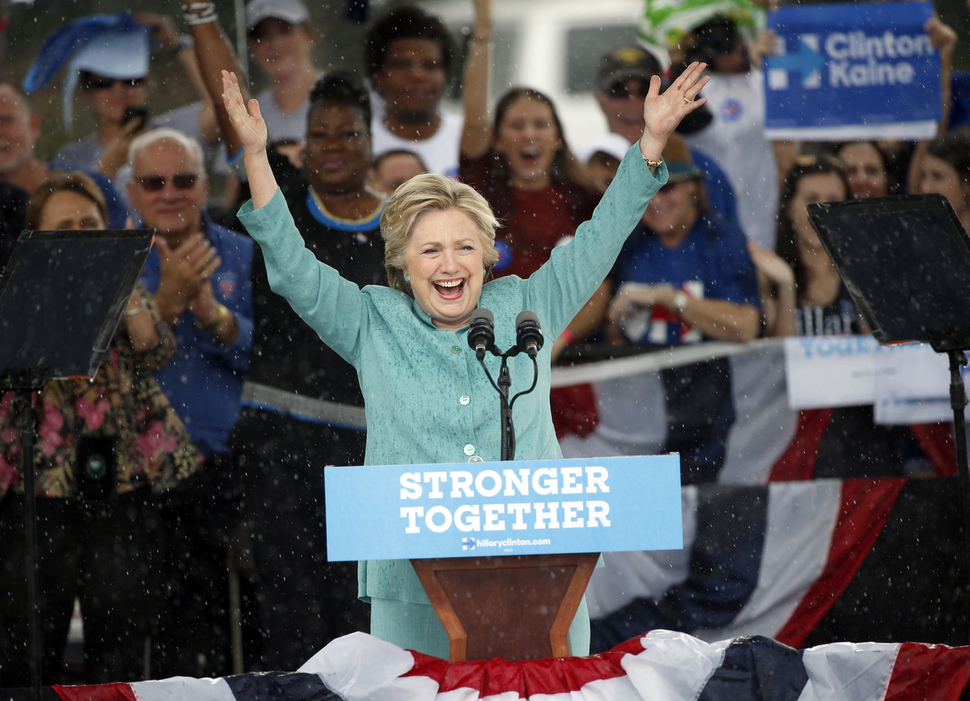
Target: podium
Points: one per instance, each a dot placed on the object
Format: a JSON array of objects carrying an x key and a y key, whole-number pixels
[
  {"x": 472, "y": 598},
  {"x": 504, "y": 550}
]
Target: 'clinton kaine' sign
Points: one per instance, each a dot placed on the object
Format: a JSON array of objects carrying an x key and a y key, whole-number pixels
[
  {"x": 852, "y": 71},
  {"x": 522, "y": 507}
]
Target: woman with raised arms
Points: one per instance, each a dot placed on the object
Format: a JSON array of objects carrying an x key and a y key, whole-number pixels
[{"x": 427, "y": 400}]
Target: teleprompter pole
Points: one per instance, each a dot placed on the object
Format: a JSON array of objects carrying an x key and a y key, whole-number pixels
[{"x": 958, "y": 400}]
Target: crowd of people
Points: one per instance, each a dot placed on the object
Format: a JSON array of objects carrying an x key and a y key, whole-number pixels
[{"x": 217, "y": 404}]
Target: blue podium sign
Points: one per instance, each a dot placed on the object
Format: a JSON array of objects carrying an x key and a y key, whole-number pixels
[
  {"x": 522, "y": 507},
  {"x": 852, "y": 71}
]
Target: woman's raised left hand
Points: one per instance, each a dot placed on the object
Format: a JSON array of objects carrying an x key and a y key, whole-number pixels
[{"x": 662, "y": 112}]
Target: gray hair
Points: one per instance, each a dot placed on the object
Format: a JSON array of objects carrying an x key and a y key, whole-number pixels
[{"x": 191, "y": 146}]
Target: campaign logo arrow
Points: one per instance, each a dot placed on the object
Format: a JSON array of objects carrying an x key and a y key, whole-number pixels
[{"x": 807, "y": 61}]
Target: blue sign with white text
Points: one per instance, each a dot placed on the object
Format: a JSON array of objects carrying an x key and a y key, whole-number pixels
[
  {"x": 848, "y": 71},
  {"x": 523, "y": 507}
]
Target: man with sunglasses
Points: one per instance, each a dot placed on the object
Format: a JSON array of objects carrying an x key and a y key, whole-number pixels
[
  {"x": 200, "y": 274},
  {"x": 110, "y": 69},
  {"x": 621, "y": 84},
  {"x": 112, "y": 100},
  {"x": 622, "y": 79}
]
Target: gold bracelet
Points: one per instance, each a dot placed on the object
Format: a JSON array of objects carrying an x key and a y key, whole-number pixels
[
  {"x": 653, "y": 164},
  {"x": 223, "y": 315}
]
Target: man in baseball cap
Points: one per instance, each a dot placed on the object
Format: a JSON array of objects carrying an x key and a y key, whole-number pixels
[
  {"x": 289, "y": 11},
  {"x": 281, "y": 41},
  {"x": 622, "y": 80}
]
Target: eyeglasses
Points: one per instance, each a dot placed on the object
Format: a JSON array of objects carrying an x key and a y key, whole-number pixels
[
  {"x": 621, "y": 91},
  {"x": 97, "y": 82},
  {"x": 155, "y": 183}
]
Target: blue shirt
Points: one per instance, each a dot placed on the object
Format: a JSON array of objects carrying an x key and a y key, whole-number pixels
[
  {"x": 720, "y": 194},
  {"x": 711, "y": 263},
  {"x": 204, "y": 378}
]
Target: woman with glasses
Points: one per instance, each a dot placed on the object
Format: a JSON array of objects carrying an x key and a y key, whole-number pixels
[{"x": 107, "y": 448}]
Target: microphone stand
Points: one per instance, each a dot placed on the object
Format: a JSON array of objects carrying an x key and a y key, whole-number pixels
[
  {"x": 503, "y": 386},
  {"x": 508, "y": 431},
  {"x": 529, "y": 341}
]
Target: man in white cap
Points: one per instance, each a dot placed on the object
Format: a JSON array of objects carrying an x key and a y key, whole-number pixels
[
  {"x": 281, "y": 42},
  {"x": 112, "y": 73},
  {"x": 602, "y": 157}
]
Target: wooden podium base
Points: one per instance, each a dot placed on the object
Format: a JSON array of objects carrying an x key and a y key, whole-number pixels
[{"x": 514, "y": 607}]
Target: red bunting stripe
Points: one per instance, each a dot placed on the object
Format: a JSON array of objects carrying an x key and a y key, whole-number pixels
[{"x": 866, "y": 505}]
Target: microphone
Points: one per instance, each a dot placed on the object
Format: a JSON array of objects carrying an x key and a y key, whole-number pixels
[
  {"x": 528, "y": 335},
  {"x": 481, "y": 332}
]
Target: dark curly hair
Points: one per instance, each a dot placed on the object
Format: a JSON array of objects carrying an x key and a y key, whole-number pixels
[
  {"x": 408, "y": 22},
  {"x": 342, "y": 88}
]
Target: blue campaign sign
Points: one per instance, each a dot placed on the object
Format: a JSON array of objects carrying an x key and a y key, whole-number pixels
[
  {"x": 852, "y": 71},
  {"x": 523, "y": 507}
]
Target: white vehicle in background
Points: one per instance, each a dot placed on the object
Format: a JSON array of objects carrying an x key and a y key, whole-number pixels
[{"x": 551, "y": 45}]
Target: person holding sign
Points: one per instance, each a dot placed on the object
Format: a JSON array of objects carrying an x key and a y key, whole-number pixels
[{"x": 426, "y": 398}]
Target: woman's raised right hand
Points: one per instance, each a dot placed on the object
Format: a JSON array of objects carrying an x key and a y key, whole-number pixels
[
  {"x": 246, "y": 119},
  {"x": 662, "y": 112}
]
